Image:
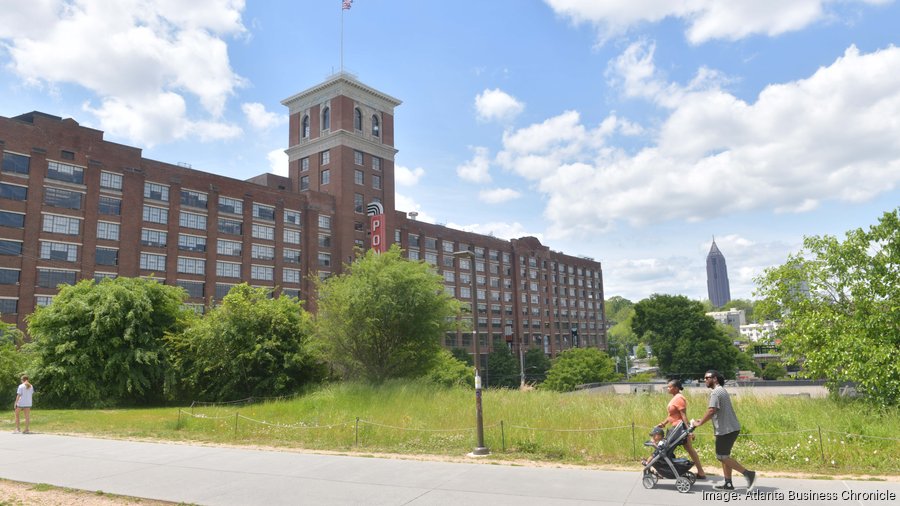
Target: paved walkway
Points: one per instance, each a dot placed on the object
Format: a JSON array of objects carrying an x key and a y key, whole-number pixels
[{"x": 229, "y": 476}]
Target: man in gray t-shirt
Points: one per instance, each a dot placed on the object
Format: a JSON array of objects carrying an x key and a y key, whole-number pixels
[{"x": 726, "y": 428}]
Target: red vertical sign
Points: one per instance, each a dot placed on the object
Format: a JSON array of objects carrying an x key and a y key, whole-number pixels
[{"x": 376, "y": 226}]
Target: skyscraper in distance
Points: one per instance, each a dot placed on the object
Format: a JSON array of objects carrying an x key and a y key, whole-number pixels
[{"x": 717, "y": 277}]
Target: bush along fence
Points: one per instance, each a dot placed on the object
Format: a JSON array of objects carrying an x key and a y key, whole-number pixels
[{"x": 813, "y": 449}]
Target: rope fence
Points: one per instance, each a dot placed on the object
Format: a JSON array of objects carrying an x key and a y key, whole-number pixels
[{"x": 359, "y": 423}]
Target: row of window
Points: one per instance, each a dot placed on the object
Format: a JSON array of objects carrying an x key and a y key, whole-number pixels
[{"x": 325, "y": 117}]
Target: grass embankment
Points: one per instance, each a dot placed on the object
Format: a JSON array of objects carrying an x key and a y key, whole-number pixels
[{"x": 781, "y": 433}]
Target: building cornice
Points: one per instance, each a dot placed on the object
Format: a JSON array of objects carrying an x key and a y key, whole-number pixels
[
  {"x": 337, "y": 139},
  {"x": 340, "y": 84}
]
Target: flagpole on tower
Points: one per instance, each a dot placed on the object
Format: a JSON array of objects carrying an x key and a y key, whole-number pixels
[{"x": 345, "y": 6}]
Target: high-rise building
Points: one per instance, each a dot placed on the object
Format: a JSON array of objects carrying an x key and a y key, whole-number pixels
[
  {"x": 74, "y": 206},
  {"x": 717, "y": 277}
]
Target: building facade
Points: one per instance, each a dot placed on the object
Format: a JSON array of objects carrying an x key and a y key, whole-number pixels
[
  {"x": 74, "y": 206},
  {"x": 717, "y": 277}
]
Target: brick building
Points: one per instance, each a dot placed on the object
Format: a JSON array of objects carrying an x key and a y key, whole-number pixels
[{"x": 74, "y": 206}]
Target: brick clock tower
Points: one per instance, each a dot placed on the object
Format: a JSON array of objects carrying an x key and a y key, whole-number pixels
[{"x": 341, "y": 143}]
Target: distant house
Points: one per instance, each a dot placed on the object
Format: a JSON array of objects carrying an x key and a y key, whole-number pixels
[
  {"x": 759, "y": 331},
  {"x": 733, "y": 317}
]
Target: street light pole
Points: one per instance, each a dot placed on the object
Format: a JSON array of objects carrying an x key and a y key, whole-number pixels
[{"x": 479, "y": 450}]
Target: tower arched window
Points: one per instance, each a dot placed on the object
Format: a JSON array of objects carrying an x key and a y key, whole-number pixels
[
  {"x": 357, "y": 119},
  {"x": 376, "y": 129},
  {"x": 326, "y": 118},
  {"x": 304, "y": 128}
]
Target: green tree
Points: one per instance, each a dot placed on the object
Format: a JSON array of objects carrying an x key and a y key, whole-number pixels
[
  {"x": 14, "y": 359},
  {"x": 449, "y": 371},
  {"x": 839, "y": 302},
  {"x": 463, "y": 356},
  {"x": 384, "y": 317},
  {"x": 101, "y": 344},
  {"x": 774, "y": 371},
  {"x": 577, "y": 366},
  {"x": 685, "y": 341},
  {"x": 746, "y": 305},
  {"x": 250, "y": 345},
  {"x": 503, "y": 369},
  {"x": 536, "y": 365},
  {"x": 618, "y": 308}
]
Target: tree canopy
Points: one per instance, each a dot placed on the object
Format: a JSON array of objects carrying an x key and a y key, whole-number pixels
[
  {"x": 577, "y": 366},
  {"x": 839, "y": 302},
  {"x": 384, "y": 317},
  {"x": 250, "y": 345},
  {"x": 101, "y": 344},
  {"x": 684, "y": 340},
  {"x": 503, "y": 369}
]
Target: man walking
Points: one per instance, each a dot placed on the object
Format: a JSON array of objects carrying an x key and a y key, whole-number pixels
[{"x": 726, "y": 428}]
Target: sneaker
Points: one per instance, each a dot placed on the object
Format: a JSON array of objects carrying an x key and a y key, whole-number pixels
[
  {"x": 751, "y": 479},
  {"x": 16, "y": 431},
  {"x": 723, "y": 486}
]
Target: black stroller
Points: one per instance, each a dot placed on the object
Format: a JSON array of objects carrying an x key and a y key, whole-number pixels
[{"x": 664, "y": 464}]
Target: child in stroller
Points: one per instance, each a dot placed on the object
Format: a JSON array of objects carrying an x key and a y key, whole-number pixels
[{"x": 664, "y": 464}]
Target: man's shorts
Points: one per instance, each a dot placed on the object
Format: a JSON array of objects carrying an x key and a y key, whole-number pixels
[{"x": 725, "y": 442}]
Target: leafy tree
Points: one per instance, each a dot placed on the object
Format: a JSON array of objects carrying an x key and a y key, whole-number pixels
[
  {"x": 449, "y": 371},
  {"x": 384, "y": 317},
  {"x": 13, "y": 362},
  {"x": 618, "y": 308},
  {"x": 746, "y": 305},
  {"x": 685, "y": 341},
  {"x": 101, "y": 344},
  {"x": 838, "y": 302},
  {"x": 745, "y": 362},
  {"x": 463, "y": 356},
  {"x": 503, "y": 369},
  {"x": 577, "y": 366},
  {"x": 774, "y": 371},
  {"x": 536, "y": 365},
  {"x": 251, "y": 345}
]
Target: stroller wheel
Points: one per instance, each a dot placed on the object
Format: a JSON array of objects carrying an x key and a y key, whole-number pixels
[
  {"x": 691, "y": 476},
  {"x": 683, "y": 484},
  {"x": 649, "y": 480}
]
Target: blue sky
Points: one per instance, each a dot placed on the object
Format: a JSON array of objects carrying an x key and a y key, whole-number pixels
[{"x": 629, "y": 131}]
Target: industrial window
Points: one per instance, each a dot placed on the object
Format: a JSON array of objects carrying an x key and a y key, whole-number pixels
[
  {"x": 262, "y": 252},
  {"x": 304, "y": 164},
  {"x": 230, "y": 205},
  {"x": 228, "y": 248},
  {"x": 222, "y": 290},
  {"x": 187, "y": 265},
  {"x": 324, "y": 260},
  {"x": 228, "y": 269},
  {"x": 326, "y": 157},
  {"x": 57, "y": 197},
  {"x": 9, "y": 306},
  {"x": 263, "y": 212},
  {"x": 291, "y": 236},
  {"x": 232, "y": 227},
  {"x": 191, "y": 220},
  {"x": 59, "y": 251},
  {"x": 191, "y": 243},
  {"x": 110, "y": 206},
  {"x": 358, "y": 176},
  {"x": 376, "y": 182},
  {"x": 10, "y": 248},
  {"x": 325, "y": 177},
  {"x": 156, "y": 191},
  {"x": 304, "y": 183},
  {"x": 291, "y": 256},
  {"x": 65, "y": 172},
  {"x": 9, "y": 276},
  {"x": 154, "y": 238},
  {"x": 194, "y": 289},
  {"x": 153, "y": 262},
  {"x": 106, "y": 256},
  {"x": 290, "y": 276},
  {"x": 358, "y": 203},
  {"x": 263, "y": 232},
  {"x": 16, "y": 163},
  {"x": 376, "y": 163},
  {"x": 324, "y": 221},
  {"x": 110, "y": 181},
  {"x": 12, "y": 220},
  {"x": 262, "y": 272},
  {"x": 156, "y": 214},
  {"x": 358, "y": 157},
  {"x": 291, "y": 217},
  {"x": 107, "y": 230},
  {"x": 193, "y": 198},
  {"x": 56, "y": 224},
  {"x": 51, "y": 278}
]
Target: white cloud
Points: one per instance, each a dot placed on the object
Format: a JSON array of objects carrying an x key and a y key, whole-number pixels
[
  {"x": 278, "y": 162},
  {"x": 497, "y": 105},
  {"x": 408, "y": 204},
  {"x": 498, "y": 229},
  {"x": 820, "y": 138},
  {"x": 259, "y": 118},
  {"x": 498, "y": 195},
  {"x": 404, "y": 176},
  {"x": 133, "y": 55},
  {"x": 706, "y": 19},
  {"x": 476, "y": 170}
]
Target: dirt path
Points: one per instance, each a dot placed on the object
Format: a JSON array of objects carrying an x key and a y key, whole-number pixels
[{"x": 14, "y": 493}]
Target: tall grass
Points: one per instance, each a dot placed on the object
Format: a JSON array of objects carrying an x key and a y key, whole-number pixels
[{"x": 779, "y": 433}]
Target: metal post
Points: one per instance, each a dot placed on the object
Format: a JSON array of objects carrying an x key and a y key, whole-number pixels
[
  {"x": 357, "y": 431},
  {"x": 479, "y": 420},
  {"x": 521, "y": 364}
]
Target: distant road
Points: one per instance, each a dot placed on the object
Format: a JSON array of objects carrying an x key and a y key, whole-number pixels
[{"x": 210, "y": 475}]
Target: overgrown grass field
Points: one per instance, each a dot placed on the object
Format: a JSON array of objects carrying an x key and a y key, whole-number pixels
[{"x": 786, "y": 434}]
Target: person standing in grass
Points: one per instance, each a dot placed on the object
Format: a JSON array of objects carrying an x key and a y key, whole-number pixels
[
  {"x": 726, "y": 428},
  {"x": 677, "y": 412},
  {"x": 23, "y": 403}
]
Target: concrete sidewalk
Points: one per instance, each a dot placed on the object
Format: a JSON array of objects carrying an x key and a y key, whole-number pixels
[{"x": 230, "y": 476}]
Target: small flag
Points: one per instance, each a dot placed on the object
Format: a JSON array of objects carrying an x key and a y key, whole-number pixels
[{"x": 346, "y": 5}]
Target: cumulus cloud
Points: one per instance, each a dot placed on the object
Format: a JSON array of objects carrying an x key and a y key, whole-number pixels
[
  {"x": 133, "y": 55},
  {"x": 476, "y": 170},
  {"x": 498, "y": 229},
  {"x": 799, "y": 143},
  {"x": 260, "y": 118},
  {"x": 404, "y": 176},
  {"x": 408, "y": 204},
  {"x": 498, "y": 195},
  {"x": 705, "y": 19},
  {"x": 278, "y": 162},
  {"x": 497, "y": 105}
]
